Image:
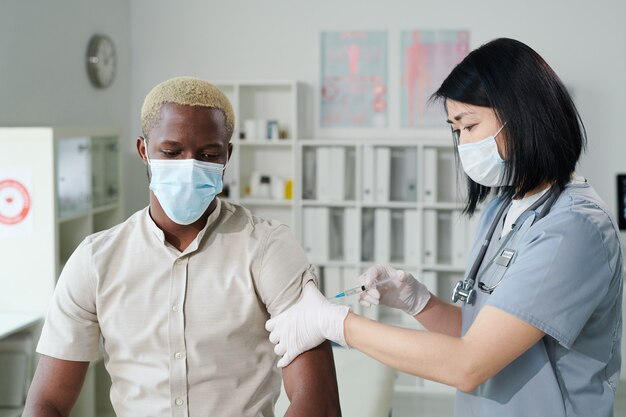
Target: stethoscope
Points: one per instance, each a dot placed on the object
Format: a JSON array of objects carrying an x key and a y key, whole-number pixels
[{"x": 464, "y": 289}]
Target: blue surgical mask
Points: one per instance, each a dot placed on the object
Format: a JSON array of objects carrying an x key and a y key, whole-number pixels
[
  {"x": 482, "y": 162},
  {"x": 185, "y": 187}
]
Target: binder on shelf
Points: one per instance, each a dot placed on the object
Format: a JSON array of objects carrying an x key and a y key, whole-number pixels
[
  {"x": 335, "y": 234},
  {"x": 430, "y": 237},
  {"x": 411, "y": 238},
  {"x": 445, "y": 234},
  {"x": 430, "y": 175},
  {"x": 323, "y": 173},
  {"x": 351, "y": 235},
  {"x": 382, "y": 179},
  {"x": 446, "y": 176},
  {"x": 322, "y": 226},
  {"x": 368, "y": 237},
  {"x": 309, "y": 218},
  {"x": 368, "y": 173},
  {"x": 337, "y": 173},
  {"x": 397, "y": 236},
  {"x": 382, "y": 235},
  {"x": 315, "y": 233},
  {"x": 460, "y": 239},
  {"x": 309, "y": 161},
  {"x": 350, "y": 174},
  {"x": 403, "y": 174}
]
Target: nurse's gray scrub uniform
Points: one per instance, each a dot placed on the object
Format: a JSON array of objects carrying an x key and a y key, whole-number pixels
[{"x": 565, "y": 279}]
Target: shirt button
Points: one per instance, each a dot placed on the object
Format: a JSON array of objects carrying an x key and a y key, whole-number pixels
[
  {"x": 174, "y": 308},
  {"x": 179, "y": 401},
  {"x": 179, "y": 355}
]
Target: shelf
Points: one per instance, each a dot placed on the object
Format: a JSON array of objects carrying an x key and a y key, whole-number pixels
[
  {"x": 443, "y": 268},
  {"x": 442, "y": 206},
  {"x": 316, "y": 203},
  {"x": 73, "y": 216},
  {"x": 264, "y": 143},
  {"x": 266, "y": 202},
  {"x": 391, "y": 204},
  {"x": 11, "y": 323},
  {"x": 11, "y": 412},
  {"x": 107, "y": 207},
  {"x": 334, "y": 264}
]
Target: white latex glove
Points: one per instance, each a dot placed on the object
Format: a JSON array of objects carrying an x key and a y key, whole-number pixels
[
  {"x": 403, "y": 292},
  {"x": 306, "y": 324}
]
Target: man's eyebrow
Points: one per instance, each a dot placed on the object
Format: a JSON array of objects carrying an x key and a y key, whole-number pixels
[{"x": 459, "y": 116}]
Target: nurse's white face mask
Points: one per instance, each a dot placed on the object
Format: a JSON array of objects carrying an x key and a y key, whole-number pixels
[{"x": 482, "y": 163}]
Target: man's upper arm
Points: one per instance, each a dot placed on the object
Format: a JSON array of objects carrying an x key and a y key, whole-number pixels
[
  {"x": 71, "y": 330},
  {"x": 283, "y": 271},
  {"x": 311, "y": 383},
  {"x": 55, "y": 387}
]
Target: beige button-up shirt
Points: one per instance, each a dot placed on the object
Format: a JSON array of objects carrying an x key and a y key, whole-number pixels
[{"x": 183, "y": 332}]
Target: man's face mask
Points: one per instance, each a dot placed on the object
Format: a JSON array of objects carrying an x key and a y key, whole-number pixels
[{"x": 184, "y": 187}]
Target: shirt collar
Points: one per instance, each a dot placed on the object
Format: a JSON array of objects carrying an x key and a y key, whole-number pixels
[{"x": 152, "y": 226}]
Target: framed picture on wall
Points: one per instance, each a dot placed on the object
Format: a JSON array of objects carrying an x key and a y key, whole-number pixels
[{"x": 621, "y": 201}]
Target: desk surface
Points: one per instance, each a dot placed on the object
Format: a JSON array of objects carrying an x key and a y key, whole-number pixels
[
  {"x": 365, "y": 385},
  {"x": 11, "y": 323}
]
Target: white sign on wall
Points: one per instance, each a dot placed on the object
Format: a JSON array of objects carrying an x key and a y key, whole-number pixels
[{"x": 16, "y": 218}]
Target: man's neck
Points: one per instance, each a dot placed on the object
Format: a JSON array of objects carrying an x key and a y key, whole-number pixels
[{"x": 178, "y": 235}]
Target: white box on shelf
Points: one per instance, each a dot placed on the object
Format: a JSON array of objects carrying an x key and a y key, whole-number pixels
[
  {"x": 383, "y": 174},
  {"x": 382, "y": 235},
  {"x": 309, "y": 235}
]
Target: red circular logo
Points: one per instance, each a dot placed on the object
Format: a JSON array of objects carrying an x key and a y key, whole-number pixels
[{"x": 14, "y": 202}]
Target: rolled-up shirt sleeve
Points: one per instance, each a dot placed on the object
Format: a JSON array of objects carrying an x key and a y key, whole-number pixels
[
  {"x": 284, "y": 270},
  {"x": 71, "y": 330}
]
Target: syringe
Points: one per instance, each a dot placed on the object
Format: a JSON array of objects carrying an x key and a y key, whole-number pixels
[{"x": 359, "y": 289}]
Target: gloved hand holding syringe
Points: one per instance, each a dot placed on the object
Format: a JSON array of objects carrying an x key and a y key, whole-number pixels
[{"x": 361, "y": 288}]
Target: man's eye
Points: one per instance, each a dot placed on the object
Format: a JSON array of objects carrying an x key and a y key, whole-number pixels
[
  {"x": 169, "y": 153},
  {"x": 210, "y": 155}
]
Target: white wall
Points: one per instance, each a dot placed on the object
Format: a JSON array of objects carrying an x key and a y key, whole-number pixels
[
  {"x": 585, "y": 42},
  {"x": 43, "y": 80}
]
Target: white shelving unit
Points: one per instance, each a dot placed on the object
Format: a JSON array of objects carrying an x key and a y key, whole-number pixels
[
  {"x": 72, "y": 176},
  {"x": 256, "y": 157},
  {"x": 399, "y": 204}
]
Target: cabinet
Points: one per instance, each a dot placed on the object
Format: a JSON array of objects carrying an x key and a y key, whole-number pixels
[
  {"x": 390, "y": 201},
  {"x": 269, "y": 121},
  {"x": 57, "y": 185}
]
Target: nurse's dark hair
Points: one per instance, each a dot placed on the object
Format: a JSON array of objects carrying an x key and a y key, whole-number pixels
[{"x": 544, "y": 132}]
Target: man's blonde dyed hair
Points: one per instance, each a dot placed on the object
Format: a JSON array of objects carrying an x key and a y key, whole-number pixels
[{"x": 185, "y": 91}]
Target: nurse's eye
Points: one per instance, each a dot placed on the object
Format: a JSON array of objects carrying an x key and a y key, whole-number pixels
[{"x": 468, "y": 128}]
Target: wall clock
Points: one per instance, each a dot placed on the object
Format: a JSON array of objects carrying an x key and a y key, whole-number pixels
[{"x": 101, "y": 61}]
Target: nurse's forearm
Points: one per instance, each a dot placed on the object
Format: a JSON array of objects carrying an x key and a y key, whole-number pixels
[
  {"x": 494, "y": 340},
  {"x": 441, "y": 317},
  {"x": 434, "y": 356}
]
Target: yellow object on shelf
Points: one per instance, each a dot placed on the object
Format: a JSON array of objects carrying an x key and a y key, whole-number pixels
[{"x": 289, "y": 189}]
